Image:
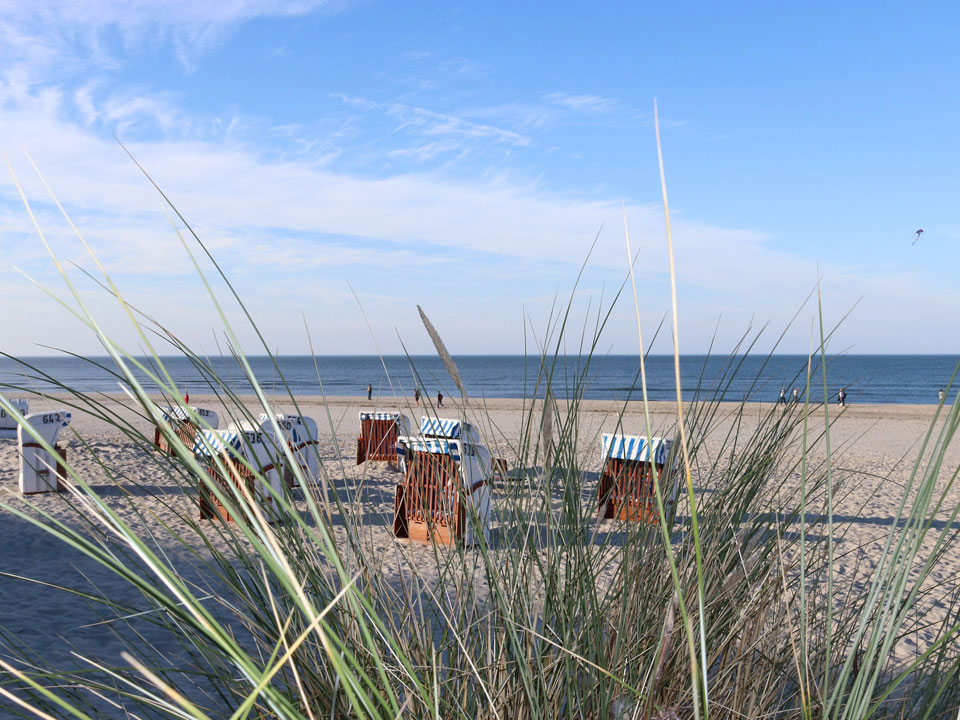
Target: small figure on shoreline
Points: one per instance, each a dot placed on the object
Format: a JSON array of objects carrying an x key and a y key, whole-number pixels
[
  {"x": 416, "y": 396},
  {"x": 370, "y": 391},
  {"x": 940, "y": 396},
  {"x": 439, "y": 399},
  {"x": 796, "y": 394},
  {"x": 783, "y": 396},
  {"x": 842, "y": 397}
]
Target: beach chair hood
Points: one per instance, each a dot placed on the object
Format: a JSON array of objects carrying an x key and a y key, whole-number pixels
[
  {"x": 404, "y": 426},
  {"x": 8, "y": 421},
  {"x": 637, "y": 448},
  {"x": 447, "y": 428},
  {"x": 179, "y": 414}
]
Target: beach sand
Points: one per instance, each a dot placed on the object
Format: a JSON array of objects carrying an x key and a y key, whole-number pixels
[{"x": 875, "y": 448}]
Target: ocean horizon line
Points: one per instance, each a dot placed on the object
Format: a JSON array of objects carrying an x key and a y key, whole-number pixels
[{"x": 65, "y": 354}]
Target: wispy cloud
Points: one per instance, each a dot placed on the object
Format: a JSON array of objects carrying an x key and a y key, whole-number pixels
[
  {"x": 432, "y": 217},
  {"x": 42, "y": 34},
  {"x": 412, "y": 125},
  {"x": 428, "y": 122},
  {"x": 267, "y": 218},
  {"x": 593, "y": 104}
]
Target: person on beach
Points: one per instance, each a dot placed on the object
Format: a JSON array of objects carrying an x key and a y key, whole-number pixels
[
  {"x": 416, "y": 396},
  {"x": 186, "y": 395},
  {"x": 439, "y": 399},
  {"x": 842, "y": 397},
  {"x": 370, "y": 392},
  {"x": 940, "y": 395},
  {"x": 783, "y": 396},
  {"x": 796, "y": 395}
]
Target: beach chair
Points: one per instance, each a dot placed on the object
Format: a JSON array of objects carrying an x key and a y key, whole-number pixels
[
  {"x": 270, "y": 445},
  {"x": 626, "y": 481},
  {"x": 445, "y": 495},
  {"x": 8, "y": 422},
  {"x": 232, "y": 447},
  {"x": 301, "y": 435},
  {"x": 378, "y": 436},
  {"x": 182, "y": 423},
  {"x": 41, "y": 471}
]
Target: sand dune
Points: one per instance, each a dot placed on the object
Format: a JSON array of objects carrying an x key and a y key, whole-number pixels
[{"x": 874, "y": 447}]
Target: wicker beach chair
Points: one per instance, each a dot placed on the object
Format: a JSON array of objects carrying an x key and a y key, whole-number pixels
[
  {"x": 445, "y": 496},
  {"x": 378, "y": 436},
  {"x": 40, "y": 470},
  {"x": 236, "y": 480},
  {"x": 626, "y": 487},
  {"x": 300, "y": 433},
  {"x": 8, "y": 421},
  {"x": 183, "y": 426}
]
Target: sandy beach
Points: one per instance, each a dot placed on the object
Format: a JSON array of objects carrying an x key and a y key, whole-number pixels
[{"x": 874, "y": 450}]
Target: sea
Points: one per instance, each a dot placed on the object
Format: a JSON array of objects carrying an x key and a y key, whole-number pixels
[{"x": 898, "y": 379}]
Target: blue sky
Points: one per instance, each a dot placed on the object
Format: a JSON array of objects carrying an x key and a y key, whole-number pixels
[{"x": 464, "y": 156}]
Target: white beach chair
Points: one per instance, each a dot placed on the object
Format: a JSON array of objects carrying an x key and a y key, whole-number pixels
[
  {"x": 8, "y": 423},
  {"x": 302, "y": 436},
  {"x": 626, "y": 479},
  {"x": 445, "y": 495},
  {"x": 236, "y": 480},
  {"x": 41, "y": 471},
  {"x": 264, "y": 446}
]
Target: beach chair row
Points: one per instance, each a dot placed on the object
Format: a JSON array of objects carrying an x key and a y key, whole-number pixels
[{"x": 444, "y": 494}]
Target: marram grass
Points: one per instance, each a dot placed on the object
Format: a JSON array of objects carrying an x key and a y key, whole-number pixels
[{"x": 560, "y": 616}]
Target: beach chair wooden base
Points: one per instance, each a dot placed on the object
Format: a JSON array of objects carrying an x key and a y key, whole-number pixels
[
  {"x": 422, "y": 530},
  {"x": 441, "y": 534},
  {"x": 58, "y": 485},
  {"x": 211, "y": 507},
  {"x": 626, "y": 491},
  {"x": 427, "y": 506}
]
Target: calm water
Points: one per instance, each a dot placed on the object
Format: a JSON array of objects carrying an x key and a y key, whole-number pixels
[{"x": 868, "y": 378}]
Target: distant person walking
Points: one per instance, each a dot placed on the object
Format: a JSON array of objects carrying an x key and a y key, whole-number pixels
[
  {"x": 439, "y": 399},
  {"x": 370, "y": 392},
  {"x": 940, "y": 395},
  {"x": 796, "y": 395},
  {"x": 783, "y": 396},
  {"x": 842, "y": 397},
  {"x": 416, "y": 396}
]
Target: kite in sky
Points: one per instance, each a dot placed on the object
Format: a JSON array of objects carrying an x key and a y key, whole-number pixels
[{"x": 919, "y": 232}]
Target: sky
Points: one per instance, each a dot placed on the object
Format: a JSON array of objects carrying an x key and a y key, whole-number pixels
[{"x": 345, "y": 161}]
